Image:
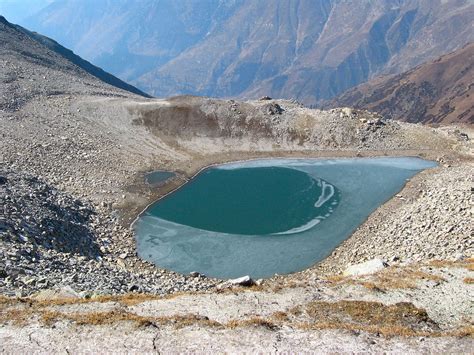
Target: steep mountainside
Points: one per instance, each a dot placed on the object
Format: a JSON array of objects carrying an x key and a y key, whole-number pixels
[
  {"x": 303, "y": 49},
  {"x": 53, "y": 58},
  {"x": 441, "y": 91}
]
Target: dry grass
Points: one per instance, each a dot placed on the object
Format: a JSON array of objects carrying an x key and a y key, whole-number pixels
[
  {"x": 5, "y": 301},
  {"x": 466, "y": 331},
  {"x": 401, "y": 278},
  {"x": 388, "y": 279},
  {"x": 280, "y": 317},
  {"x": 467, "y": 263},
  {"x": 336, "y": 278},
  {"x": 469, "y": 280},
  {"x": 368, "y": 313},
  {"x": 117, "y": 316},
  {"x": 16, "y": 316},
  {"x": 93, "y": 318},
  {"x": 401, "y": 319},
  {"x": 129, "y": 299},
  {"x": 251, "y": 322}
]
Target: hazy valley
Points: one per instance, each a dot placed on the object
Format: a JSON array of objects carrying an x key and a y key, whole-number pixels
[{"x": 304, "y": 50}]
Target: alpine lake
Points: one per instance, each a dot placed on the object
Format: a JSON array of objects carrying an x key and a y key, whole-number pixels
[{"x": 269, "y": 216}]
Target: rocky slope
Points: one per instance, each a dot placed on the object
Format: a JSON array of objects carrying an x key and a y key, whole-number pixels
[
  {"x": 44, "y": 51},
  {"x": 441, "y": 92},
  {"x": 308, "y": 50},
  {"x": 74, "y": 151}
]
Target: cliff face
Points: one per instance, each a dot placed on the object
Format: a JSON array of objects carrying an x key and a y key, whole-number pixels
[
  {"x": 304, "y": 49},
  {"x": 441, "y": 91}
]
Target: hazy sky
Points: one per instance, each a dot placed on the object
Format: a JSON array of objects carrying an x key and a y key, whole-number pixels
[{"x": 17, "y": 10}]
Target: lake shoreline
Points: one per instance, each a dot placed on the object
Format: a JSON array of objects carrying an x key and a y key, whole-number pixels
[{"x": 333, "y": 263}]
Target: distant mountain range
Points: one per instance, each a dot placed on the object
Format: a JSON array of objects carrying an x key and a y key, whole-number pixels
[
  {"x": 441, "y": 91},
  {"x": 311, "y": 50}
]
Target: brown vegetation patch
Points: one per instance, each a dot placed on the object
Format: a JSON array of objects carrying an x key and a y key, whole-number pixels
[
  {"x": 252, "y": 322},
  {"x": 403, "y": 314},
  {"x": 401, "y": 319},
  {"x": 280, "y": 316},
  {"x": 467, "y": 263},
  {"x": 390, "y": 278},
  {"x": 129, "y": 299},
  {"x": 112, "y": 317},
  {"x": 16, "y": 316},
  {"x": 399, "y": 278}
]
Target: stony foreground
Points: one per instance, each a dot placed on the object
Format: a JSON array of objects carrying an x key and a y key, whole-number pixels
[{"x": 422, "y": 308}]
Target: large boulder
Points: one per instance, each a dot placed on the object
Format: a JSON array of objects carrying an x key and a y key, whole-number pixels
[
  {"x": 365, "y": 268},
  {"x": 245, "y": 281},
  {"x": 242, "y": 281},
  {"x": 59, "y": 293}
]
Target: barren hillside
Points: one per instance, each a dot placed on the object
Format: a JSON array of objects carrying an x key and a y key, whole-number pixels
[{"x": 441, "y": 92}]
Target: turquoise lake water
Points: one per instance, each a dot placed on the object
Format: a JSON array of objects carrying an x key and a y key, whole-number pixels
[{"x": 266, "y": 217}]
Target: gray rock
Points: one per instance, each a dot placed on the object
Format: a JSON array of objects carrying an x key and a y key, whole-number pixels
[
  {"x": 273, "y": 109},
  {"x": 242, "y": 281},
  {"x": 196, "y": 274}
]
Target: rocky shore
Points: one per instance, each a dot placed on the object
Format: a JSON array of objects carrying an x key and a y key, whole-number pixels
[
  {"x": 50, "y": 239},
  {"x": 70, "y": 190},
  {"x": 431, "y": 219}
]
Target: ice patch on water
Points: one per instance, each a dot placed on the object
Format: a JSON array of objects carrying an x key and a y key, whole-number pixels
[
  {"x": 326, "y": 194},
  {"x": 156, "y": 227},
  {"x": 302, "y": 228},
  {"x": 409, "y": 163}
]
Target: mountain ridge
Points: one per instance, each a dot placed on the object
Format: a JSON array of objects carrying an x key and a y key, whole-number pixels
[{"x": 302, "y": 49}]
